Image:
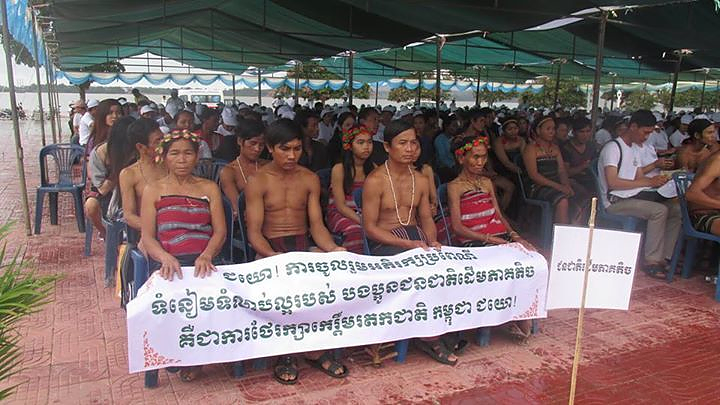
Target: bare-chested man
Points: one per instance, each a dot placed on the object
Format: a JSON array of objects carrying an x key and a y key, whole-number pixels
[
  {"x": 145, "y": 134},
  {"x": 283, "y": 204},
  {"x": 397, "y": 214},
  {"x": 703, "y": 196}
]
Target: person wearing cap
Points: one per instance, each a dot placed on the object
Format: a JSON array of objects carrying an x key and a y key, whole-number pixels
[
  {"x": 174, "y": 103},
  {"x": 124, "y": 106},
  {"x": 86, "y": 122},
  {"x": 326, "y": 125},
  {"x": 703, "y": 144},
  {"x": 79, "y": 109},
  {"x": 658, "y": 140},
  {"x": 629, "y": 188},
  {"x": 680, "y": 135},
  {"x": 228, "y": 149},
  {"x": 148, "y": 111}
]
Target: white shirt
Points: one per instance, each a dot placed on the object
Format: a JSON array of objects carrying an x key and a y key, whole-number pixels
[
  {"x": 325, "y": 133},
  {"x": 85, "y": 128},
  {"x": 677, "y": 138},
  {"x": 76, "y": 121},
  {"x": 602, "y": 136},
  {"x": 380, "y": 134},
  {"x": 658, "y": 140},
  {"x": 631, "y": 162}
]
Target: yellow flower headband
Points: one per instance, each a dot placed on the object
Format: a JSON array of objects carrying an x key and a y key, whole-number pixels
[
  {"x": 482, "y": 140},
  {"x": 173, "y": 136}
]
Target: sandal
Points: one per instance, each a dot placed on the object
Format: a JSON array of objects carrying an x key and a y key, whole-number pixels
[
  {"x": 454, "y": 343},
  {"x": 656, "y": 271},
  {"x": 332, "y": 367},
  {"x": 286, "y": 365},
  {"x": 188, "y": 374},
  {"x": 437, "y": 351}
]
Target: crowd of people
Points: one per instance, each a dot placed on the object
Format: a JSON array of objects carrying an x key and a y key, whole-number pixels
[{"x": 142, "y": 158}]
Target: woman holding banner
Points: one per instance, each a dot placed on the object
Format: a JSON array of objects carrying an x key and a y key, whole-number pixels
[{"x": 183, "y": 223}]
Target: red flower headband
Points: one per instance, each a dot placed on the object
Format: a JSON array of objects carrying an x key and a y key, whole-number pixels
[
  {"x": 483, "y": 140},
  {"x": 348, "y": 136}
]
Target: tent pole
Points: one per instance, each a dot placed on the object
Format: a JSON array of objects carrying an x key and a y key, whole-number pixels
[
  {"x": 297, "y": 83},
  {"x": 440, "y": 41},
  {"x": 702, "y": 94},
  {"x": 51, "y": 100},
  {"x": 419, "y": 95},
  {"x": 612, "y": 95},
  {"x": 16, "y": 123},
  {"x": 351, "y": 79},
  {"x": 259, "y": 87},
  {"x": 37, "y": 76},
  {"x": 477, "y": 89},
  {"x": 377, "y": 88},
  {"x": 596, "y": 82},
  {"x": 557, "y": 85},
  {"x": 57, "y": 105},
  {"x": 234, "y": 98},
  {"x": 675, "y": 80}
]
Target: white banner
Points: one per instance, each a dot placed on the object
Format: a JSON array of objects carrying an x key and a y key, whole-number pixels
[
  {"x": 612, "y": 268},
  {"x": 298, "y": 302}
]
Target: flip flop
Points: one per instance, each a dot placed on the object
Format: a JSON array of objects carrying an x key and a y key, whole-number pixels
[
  {"x": 286, "y": 365},
  {"x": 656, "y": 271},
  {"x": 332, "y": 368},
  {"x": 437, "y": 351},
  {"x": 188, "y": 374},
  {"x": 454, "y": 343}
]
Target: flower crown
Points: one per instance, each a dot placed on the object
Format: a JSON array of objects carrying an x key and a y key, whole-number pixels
[
  {"x": 173, "y": 136},
  {"x": 348, "y": 136},
  {"x": 482, "y": 140}
]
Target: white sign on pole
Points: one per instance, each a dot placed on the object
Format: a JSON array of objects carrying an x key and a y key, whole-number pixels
[{"x": 613, "y": 261}]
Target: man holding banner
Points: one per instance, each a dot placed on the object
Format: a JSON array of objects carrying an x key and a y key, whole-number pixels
[
  {"x": 391, "y": 193},
  {"x": 281, "y": 199}
]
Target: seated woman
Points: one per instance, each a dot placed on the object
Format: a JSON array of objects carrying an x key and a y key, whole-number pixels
[
  {"x": 346, "y": 177},
  {"x": 234, "y": 176},
  {"x": 183, "y": 223},
  {"x": 508, "y": 147},
  {"x": 345, "y": 121},
  {"x": 578, "y": 153},
  {"x": 475, "y": 215},
  {"x": 548, "y": 180},
  {"x": 703, "y": 143}
]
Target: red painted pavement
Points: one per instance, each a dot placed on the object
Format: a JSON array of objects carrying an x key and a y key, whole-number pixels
[{"x": 664, "y": 350}]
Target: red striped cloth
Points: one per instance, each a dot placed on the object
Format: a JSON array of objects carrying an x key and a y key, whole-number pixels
[
  {"x": 339, "y": 223},
  {"x": 478, "y": 213},
  {"x": 183, "y": 224}
]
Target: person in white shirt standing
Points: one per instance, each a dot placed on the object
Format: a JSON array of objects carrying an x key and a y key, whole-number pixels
[
  {"x": 627, "y": 188},
  {"x": 86, "y": 122},
  {"x": 327, "y": 125},
  {"x": 79, "y": 109},
  {"x": 677, "y": 138}
]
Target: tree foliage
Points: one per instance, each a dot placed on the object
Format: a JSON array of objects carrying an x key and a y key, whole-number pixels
[
  {"x": 687, "y": 99},
  {"x": 401, "y": 94},
  {"x": 313, "y": 71},
  {"x": 639, "y": 100},
  {"x": 569, "y": 94}
]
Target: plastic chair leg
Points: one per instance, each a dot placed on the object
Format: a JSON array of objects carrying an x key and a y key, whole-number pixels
[
  {"x": 88, "y": 237},
  {"x": 79, "y": 210},
  {"x": 482, "y": 337},
  {"x": 675, "y": 258},
  {"x": 53, "y": 197},
  {"x": 39, "y": 197},
  {"x": 690, "y": 249},
  {"x": 717, "y": 285},
  {"x": 140, "y": 270},
  {"x": 151, "y": 379},
  {"x": 260, "y": 364},
  {"x": 401, "y": 348},
  {"x": 238, "y": 369},
  {"x": 535, "y": 328},
  {"x": 112, "y": 241}
]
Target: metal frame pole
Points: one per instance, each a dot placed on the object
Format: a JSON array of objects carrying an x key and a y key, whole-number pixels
[
  {"x": 297, "y": 83},
  {"x": 259, "y": 77},
  {"x": 612, "y": 95},
  {"x": 477, "y": 89},
  {"x": 598, "y": 68},
  {"x": 16, "y": 123},
  {"x": 702, "y": 94},
  {"x": 377, "y": 89},
  {"x": 675, "y": 80},
  {"x": 37, "y": 76},
  {"x": 557, "y": 85},
  {"x": 438, "y": 65},
  {"x": 419, "y": 92},
  {"x": 57, "y": 104},
  {"x": 233, "y": 89},
  {"x": 51, "y": 99},
  {"x": 351, "y": 79}
]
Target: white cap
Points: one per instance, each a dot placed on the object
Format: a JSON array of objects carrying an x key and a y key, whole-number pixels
[
  {"x": 658, "y": 117},
  {"x": 702, "y": 117},
  {"x": 92, "y": 103},
  {"x": 165, "y": 130},
  {"x": 418, "y": 113},
  {"x": 326, "y": 111},
  {"x": 402, "y": 112},
  {"x": 228, "y": 117},
  {"x": 286, "y": 112},
  {"x": 686, "y": 119},
  {"x": 146, "y": 109},
  {"x": 242, "y": 106},
  {"x": 172, "y": 109},
  {"x": 715, "y": 117},
  {"x": 222, "y": 131},
  {"x": 389, "y": 108},
  {"x": 122, "y": 100}
]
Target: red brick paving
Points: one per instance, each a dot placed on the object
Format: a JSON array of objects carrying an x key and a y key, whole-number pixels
[{"x": 663, "y": 350}]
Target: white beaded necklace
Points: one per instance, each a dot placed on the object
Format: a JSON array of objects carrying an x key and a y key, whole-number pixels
[
  {"x": 242, "y": 172},
  {"x": 412, "y": 198}
]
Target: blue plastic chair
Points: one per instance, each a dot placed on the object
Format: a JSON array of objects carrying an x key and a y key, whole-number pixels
[
  {"x": 65, "y": 155},
  {"x": 209, "y": 169},
  {"x": 690, "y": 235},
  {"x": 546, "y": 213},
  {"x": 401, "y": 347},
  {"x": 240, "y": 241},
  {"x": 442, "y": 207},
  {"x": 114, "y": 231},
  {"x": 624, "y": 222}
]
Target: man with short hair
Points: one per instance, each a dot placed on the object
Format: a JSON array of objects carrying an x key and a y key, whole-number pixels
[
  {"x": 314, "y": 155},
  {"x": 86, "y": 122},
  {"x": 703, "y": 196},
  {"x": 370, "y": 119},
  {"x": 680, "y": 134},
  {"x": 283, "y": 215},
  {"x": 627, "y": 189},
  {"x": 174, "y": 104}
]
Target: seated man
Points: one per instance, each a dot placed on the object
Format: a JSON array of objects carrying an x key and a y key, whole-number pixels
[
  {"x": 395, "y": 199},
  {"x": 145, "y": 134},
  {"x": 283, "y": 203},
  {"x": 628, "y": 189},
  {"x": 703, "y": 196}
]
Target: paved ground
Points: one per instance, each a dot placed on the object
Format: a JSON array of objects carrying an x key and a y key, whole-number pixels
[{"x": 663, "y": 350}]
